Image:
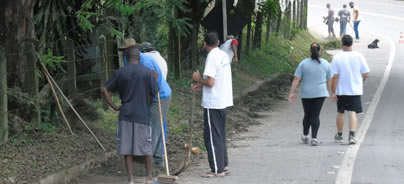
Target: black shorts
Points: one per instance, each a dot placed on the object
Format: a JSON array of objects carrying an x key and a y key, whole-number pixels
[{"x": 349, "y": 103}]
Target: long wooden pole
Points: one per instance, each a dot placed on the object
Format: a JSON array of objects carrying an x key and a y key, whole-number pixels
[
  {"x": 57, "y": 99},
  {"x": 163, "y": 135},
  {"x": 68, "y": 102},
  {"x": 224, "y": 8}
]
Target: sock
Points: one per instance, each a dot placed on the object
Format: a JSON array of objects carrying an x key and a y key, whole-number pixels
[
  {"x": 339, "y": 134},
  {"x": 351, "y": 133}
]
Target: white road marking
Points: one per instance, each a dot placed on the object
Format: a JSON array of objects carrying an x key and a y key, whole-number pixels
[
  {"x": 345, "y": 173},
  {"x": 368, "y": 13}
]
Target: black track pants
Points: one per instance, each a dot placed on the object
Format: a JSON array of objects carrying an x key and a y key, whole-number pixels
[{"x": 215, "y": 138}]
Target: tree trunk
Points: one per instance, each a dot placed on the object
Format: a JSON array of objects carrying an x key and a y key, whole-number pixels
[
  {"x": 240, "y": 42},
  {"x": 268, "y": 24},
  {"x": 71, "y": 67},
  {"x": 248, "y": 41},
  {"x": 294, "y": 15},
  {"x": 194, "y": 45},
  {"x": 278, "y": 22},
  {"x": 177, "y": 56},
  {"x": 298, "y": 14},
  {"x": 301, "y": 14},
  {"x": 258, "y": 31},
  {"x": 305, "y": 13},
  {"x": 3, "y": 98}
]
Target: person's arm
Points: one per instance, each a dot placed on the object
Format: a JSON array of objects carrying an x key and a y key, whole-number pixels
[
  {"x": 365, "y": 76},
  {"x": 209, "y": 81},
  {"x": 292, "y": 93},
  {"x": 108, "y": 99},
  {"x": 334, "y": 86},
  {"x": 329, "y": 85},
  {"x": 234, "y": 49}
]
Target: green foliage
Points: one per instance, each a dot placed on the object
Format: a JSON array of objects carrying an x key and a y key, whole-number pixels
[
  {"x": 52, "y": 62},
  {"x": 331, "y": 44}
]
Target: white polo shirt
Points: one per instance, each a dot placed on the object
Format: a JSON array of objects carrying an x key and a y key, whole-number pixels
[
  {"x": 218, "y": 66},
  {"x": 349, "y": 65}
]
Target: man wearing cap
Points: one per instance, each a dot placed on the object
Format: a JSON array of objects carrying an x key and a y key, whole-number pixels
[
  {"x": 165, "y": 98},
  {"x": 148, "y": 49}
]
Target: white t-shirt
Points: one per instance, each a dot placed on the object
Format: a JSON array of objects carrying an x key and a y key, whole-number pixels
[
  {"x": 160, "y": 61},
  {"x": 349, "y": 65},
  {"x": 218, "y": 66},
  {"x": 354, "y": 11},
  {"x": 226, "y": 47}
]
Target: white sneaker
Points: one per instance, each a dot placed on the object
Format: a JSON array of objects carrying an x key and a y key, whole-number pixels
[{"x": 305, "y": 139}]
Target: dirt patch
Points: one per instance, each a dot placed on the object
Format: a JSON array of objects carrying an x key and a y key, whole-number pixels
[
  {"x": 240, "y": 117},
  {"x": 36, "y": 155}
]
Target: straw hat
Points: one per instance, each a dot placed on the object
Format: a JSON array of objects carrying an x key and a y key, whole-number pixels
[{"x": 128, "y": 42}]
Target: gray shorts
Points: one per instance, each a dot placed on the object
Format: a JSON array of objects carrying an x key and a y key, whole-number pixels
[{"x": 134, "y": 138}]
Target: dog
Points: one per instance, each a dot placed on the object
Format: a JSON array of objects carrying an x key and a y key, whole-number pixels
[{"x": 373, "y": 45}]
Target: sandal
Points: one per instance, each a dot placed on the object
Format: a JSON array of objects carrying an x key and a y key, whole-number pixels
[
  {"x": 226, "y": 171},
  {"x": 211, "y": 175}
]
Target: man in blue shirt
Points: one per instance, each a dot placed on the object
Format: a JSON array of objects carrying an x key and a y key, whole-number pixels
[{"x": 165, "y": 97}]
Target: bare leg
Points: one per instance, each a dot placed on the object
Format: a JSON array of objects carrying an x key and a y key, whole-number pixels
[
  {"x": 340, "y": 122},
  {"x": 353, "y": 121},
  {"x": 148, "y": 165},
  {"x": 129, "y": 167}
]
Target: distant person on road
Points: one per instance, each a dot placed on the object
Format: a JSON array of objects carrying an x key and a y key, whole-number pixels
[
  {"x": 330, "y": 21},
  {"x": 350, "y": 71},
  {"x": 344, "y": 18},
  {"x": 356, "y": 19},
  {"x": 316, "y": 76},
  {"x": 217, "y": 95},
  {"x": 230, "y": 47},
  {"x": 136, "y": 86}
]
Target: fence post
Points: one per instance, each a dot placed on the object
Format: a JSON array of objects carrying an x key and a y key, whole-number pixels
[
  {"x": 3, "y": 98},
  {"x": 71, "y": 68},
  {"x": 102, "y": 45}
]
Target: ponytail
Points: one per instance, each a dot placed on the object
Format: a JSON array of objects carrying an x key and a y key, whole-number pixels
[{"x": 315, "y": 51}]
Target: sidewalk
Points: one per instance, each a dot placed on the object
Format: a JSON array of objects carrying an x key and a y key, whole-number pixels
[{"x": 273, "y": 153}]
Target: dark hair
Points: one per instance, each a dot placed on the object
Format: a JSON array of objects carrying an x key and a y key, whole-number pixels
[
  {"x": 347, "y": 40},
  {"x": 315, "y": 51},
  {"x": 344, "y": 6},
  {"x": 133, "y": 53},
  {"x": 211, "y": 38}
]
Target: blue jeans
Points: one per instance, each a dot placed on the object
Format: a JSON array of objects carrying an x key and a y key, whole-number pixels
[
  {"x": 342, "y": 30},
  {"x": 356, "y": 25}
]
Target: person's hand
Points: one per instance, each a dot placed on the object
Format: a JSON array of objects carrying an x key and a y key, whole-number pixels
[
  {"x": 235, "y": 60},
  {"x": 196, "y": 87},
  {"x": 334, "y": 97},
  {"x": 196, "y": 76},
  {"x": 292, "y": 97},
  {"x": 117, "y": 108}
]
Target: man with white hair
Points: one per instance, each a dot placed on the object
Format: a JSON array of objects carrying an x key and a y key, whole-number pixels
[{"x": 230, "y": 47}]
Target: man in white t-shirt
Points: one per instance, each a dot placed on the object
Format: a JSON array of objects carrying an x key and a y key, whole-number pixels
[
  {"x": 356, "y": 18},
  {"x": 230, "y": 47},
  {"x": 217, "y": 95},
  {"x": 148, "y": 49},
  {"x": 350, "y": 71}
]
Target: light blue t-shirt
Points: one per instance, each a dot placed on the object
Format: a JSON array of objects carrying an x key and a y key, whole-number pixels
[
  {"x": 314, "y": 78},
  {"x": 149, "y": 62}
]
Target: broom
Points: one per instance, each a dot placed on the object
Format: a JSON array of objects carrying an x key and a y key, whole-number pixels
[{"x": 165, "y": 179}]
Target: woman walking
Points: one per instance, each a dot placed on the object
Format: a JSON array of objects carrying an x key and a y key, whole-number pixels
[{"x": 316, "y": 76}]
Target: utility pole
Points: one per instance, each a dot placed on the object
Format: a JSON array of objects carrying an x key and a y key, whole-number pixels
[{"x": 224, "y": 19}]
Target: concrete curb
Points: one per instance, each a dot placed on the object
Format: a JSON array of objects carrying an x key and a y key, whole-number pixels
[
  {"x": 256, "y": 86},
  {"x": 68, "y": 175}
]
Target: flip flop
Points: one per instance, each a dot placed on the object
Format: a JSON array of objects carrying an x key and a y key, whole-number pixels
[{"x": 211, "y": 175}]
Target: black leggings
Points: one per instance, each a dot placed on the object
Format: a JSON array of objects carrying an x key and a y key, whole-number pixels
[{"x": 312, "y": 108}]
